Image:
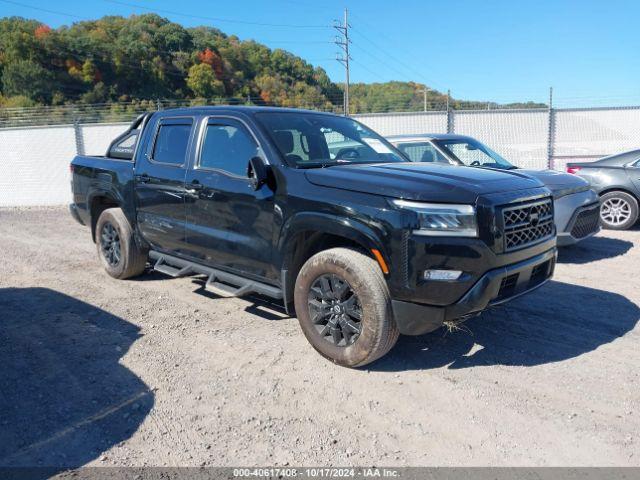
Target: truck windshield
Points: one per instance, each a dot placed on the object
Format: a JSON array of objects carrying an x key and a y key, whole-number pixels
[
  {"x": 308, "y": 140},
  {"x": 473, "y": 153}
]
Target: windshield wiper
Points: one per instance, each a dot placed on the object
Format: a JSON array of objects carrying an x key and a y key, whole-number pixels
[{"x": 305, "y": 165}]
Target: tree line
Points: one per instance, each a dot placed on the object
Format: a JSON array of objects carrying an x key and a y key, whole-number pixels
[{"x": 136, "y": 60}]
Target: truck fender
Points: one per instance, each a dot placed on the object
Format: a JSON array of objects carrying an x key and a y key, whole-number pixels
[
  {"x": 348, "y": 228},
  {"x": 102, "y": 191}
]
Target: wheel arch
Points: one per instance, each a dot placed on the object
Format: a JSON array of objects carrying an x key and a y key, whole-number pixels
[
  {"x": 307, "y": 234},
  {"x": 97, "y": 202},
  {"x": 619, "y": 189}
]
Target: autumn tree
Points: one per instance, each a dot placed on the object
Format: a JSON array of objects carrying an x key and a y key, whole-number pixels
[{"x": 203, "y": 82}]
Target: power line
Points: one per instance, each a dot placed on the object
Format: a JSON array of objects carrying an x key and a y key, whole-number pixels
[
  {"x": 386, "y": 64},
  {"x": 215, "y": 19},
  {"x": 46, "y": 10},
  {"x": 393, "y": 57},
  {"x": 363, "y": 66}
]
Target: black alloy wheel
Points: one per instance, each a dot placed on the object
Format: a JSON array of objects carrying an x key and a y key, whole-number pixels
[
  {"x": 335, "y": 310},
  {"x": 110, "y": 244}
]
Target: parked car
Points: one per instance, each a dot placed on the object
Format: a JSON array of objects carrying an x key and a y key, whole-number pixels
[
  {"x": 362, "y": 247},
  {"x": 617, "y": 180},
  {"x": 576, "y": 204}
]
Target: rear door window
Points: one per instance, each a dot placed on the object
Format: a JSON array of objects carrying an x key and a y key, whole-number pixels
[{"x": 172, "y": 140}]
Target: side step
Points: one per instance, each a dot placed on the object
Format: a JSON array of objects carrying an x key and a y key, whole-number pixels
[
  {"x": 162, "y": 267},
  {"x": 221, "y": 283}
]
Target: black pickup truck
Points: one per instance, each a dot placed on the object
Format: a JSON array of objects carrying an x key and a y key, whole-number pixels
[{"x": 362, "y": 244}]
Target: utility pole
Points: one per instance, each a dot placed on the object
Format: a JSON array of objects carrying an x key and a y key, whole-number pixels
[
  {"x": 343, "y": 42},
  {"x": 448, "y": 98},
  {"x": 425, "y": 98}
]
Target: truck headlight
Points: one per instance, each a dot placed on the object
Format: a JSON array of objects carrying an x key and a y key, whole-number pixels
[{"x": 442, "y": 220}]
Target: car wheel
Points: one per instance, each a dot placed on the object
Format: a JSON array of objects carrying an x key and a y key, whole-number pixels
[
  {"x": 344, "y": 308},
  {"x": 618, "y": 210},
  {"x": 120, "y": 255}
]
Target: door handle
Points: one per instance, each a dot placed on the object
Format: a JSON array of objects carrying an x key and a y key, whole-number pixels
[{"x": 144, "y": 178}]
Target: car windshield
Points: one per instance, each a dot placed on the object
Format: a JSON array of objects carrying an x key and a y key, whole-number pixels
[
  {"x": 473, "y": 153},
  {"x": 308, "y": 140}
]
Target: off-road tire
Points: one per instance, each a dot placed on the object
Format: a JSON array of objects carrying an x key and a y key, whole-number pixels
[
  {"x": 633, "y": 214},
  {"x": 133, "y": 260},
  {"x": 378, "y": 329}
]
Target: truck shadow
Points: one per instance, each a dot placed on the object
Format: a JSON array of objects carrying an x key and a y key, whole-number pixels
[
  {"x": 64, "y": 396},
  {"x": 557, "y": 322},
  {"x": 593, "y": 249}
]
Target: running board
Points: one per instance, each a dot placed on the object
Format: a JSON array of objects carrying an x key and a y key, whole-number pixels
[{"x": 221, "y": 283}]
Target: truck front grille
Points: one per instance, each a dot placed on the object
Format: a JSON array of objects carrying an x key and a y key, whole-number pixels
[
  {"x": 527, "y": 223},
  {"x": 586, "y": 222}
]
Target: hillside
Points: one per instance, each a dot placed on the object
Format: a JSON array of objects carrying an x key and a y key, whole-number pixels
[{"x": 143, "y": 58}]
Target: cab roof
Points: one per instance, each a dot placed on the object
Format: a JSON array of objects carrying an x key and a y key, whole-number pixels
[
  {"x": 208, "y": 110},
  {"x": 422, "y": 137}
]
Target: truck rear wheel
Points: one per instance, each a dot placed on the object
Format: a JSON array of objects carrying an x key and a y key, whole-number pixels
[
  {"x": 344, "y": 308},
  {"x": 117, "y": 249}
]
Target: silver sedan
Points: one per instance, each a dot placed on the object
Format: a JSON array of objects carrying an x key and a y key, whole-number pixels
[{"x": 576, "y": 204}]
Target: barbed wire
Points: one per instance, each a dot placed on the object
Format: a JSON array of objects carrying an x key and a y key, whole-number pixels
[{"x": 127, "y": 111}]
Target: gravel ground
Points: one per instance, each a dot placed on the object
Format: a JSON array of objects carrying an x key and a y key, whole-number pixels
[{"x": 155, "y": 371}]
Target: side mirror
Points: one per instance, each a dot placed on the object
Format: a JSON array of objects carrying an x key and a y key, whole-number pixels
[{"x": 258, "y": 172}]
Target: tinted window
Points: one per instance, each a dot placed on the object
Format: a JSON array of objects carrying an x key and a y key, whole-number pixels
[
  {"x": 171, "y": 143},
  {"x": 227, "y": 148},
  {"x": 422, "y": 152}
]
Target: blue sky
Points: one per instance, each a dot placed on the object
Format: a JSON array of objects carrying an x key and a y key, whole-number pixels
[{"x": 502, "y": 51}]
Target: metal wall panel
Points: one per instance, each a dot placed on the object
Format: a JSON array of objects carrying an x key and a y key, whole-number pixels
[
  {"x": 34, "y": 165},
  {"x": 521, "y": 136},
  {"x": 405, "y": 123},
  {"x": 97, "y": 137}
]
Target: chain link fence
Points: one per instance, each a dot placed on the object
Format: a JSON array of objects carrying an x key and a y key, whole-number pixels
[
  {"x": 34, "y": 160},
  {"x": 529, "y": 138}
]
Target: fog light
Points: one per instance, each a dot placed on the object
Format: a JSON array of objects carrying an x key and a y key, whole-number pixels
[{"x": 441, "y": 274}]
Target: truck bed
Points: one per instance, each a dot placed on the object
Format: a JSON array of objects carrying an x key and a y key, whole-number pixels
[{"x": 93, "y": 175}]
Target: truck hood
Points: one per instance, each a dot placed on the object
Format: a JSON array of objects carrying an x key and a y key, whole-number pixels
[
  {"x": 559, "y": 183},
  {"x": 421, "y": 181}
]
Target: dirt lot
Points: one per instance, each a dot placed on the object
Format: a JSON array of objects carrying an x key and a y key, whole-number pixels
[{"x": 156, "y": 372}]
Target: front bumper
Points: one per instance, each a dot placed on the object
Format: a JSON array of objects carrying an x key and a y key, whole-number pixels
[
  {"x": 493, "y": 288},
  {"x": 575, "y": 217},
  {"x": 584, "y": 223}
]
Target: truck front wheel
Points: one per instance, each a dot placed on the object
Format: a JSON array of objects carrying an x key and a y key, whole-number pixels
[
  {"x": 344, "y": 308},
  {"x": 117, "y": 249}
]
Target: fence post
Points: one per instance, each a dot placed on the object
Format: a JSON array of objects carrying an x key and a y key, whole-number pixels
[
  {"x": 450, "y": 120},
  {"x": 551, "y": 134},
  {"x": 77, "y": 131}
]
